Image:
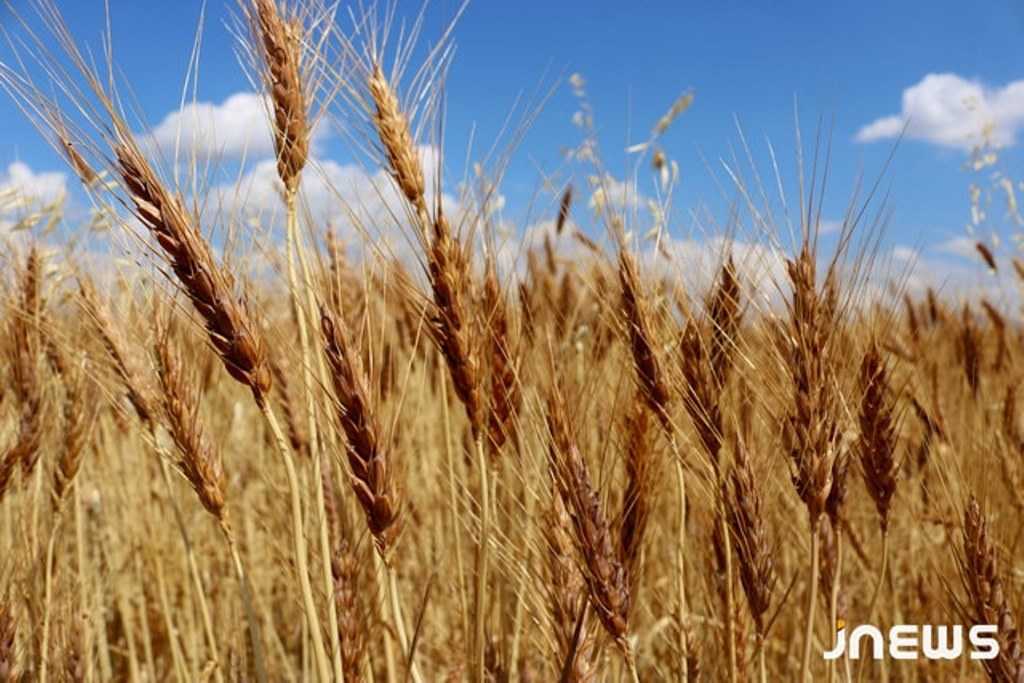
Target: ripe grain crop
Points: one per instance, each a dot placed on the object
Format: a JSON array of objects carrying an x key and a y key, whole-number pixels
[{"x": 427, "y": 445}]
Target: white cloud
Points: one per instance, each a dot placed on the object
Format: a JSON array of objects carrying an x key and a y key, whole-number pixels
[
  {"x": 22, "y": 182},
  {"x": 955, "y": 279},
  {"x": 695, "y": 264},
  {"x": 952, "y": 111},
  {"x": 959, "y": 246},
  {"x": 885, "y": 128},
  {"x": 610, "y": 192},
  {"x": 346, "y": 197},
  {"x": 240, "y": 125}
]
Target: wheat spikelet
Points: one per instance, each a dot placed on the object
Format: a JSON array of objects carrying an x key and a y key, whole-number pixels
[
  {"x": 636, "y": 503},
  {"x": 138, "y": 393},
  {"x": 701, "y": 393},
  {"x": 85, "y": 172},
  {"x": 986, "y": 601},
  {"x": 400, "y": 151},
  {"x": 811, "y": 429},
  {"x": 281, "y": 40},
  {"x": 505, "y": 396},
  {"x": 228, "y": 322},
  {"x": 724, "y": 314},
  {"x": 913, "y": 323},
  {"x": 566, "y": 594},
  {"x": 1018, "y": 268},
  {"x": 289, "y": 409},
  {"x": 878, "y": 431},
  {"x": 79, "y": 419},
  {"x": 970, "y": 350},
  {"x": 641, "y": 341},
  {"x": 449, "y": 280},
  {"x": 986, "y": 255},
  {"x": 600, "y": 565},
  {"x": 198, "y": 461},
  {"x": 837, "y": 494},
  {"x": 370, "y": 470},
  {"x": 346, "y": 574},
  {"x": 745, "y": 514},
  {"x": 24, "y": 355},
  {"x": 999, "y": 325},
  {"x": 563, "y": 210}
]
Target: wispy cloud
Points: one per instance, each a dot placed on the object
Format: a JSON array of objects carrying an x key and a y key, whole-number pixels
[{"x": 952, "y": 111}]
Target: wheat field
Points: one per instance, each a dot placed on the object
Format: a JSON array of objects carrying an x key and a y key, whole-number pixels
[{"x": 414, "y": 448}]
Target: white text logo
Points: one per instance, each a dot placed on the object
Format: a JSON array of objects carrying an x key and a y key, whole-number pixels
[{"x": 910, "y": 641}]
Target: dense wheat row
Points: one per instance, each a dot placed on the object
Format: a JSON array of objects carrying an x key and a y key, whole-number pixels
[{"x": 453, "y": 466}]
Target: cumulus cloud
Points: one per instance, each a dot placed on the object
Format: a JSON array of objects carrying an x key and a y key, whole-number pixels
[
  {"x": 230, "y": 129},
  {"x": 22, "y": 182},
  {"x": 346, "y": 197},
  {"x": 696, "y": 263},
  {"x": 955, "y": 112}
]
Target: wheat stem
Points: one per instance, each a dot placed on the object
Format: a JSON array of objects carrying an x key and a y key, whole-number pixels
[
  {"x": 681, "y": 606},
  {"x": 323, "y": 666},
  {"x": 453, "y": 492},
  {"x": 44, "y": 649},
  {"x": 180, "y": 667},
  {"x": 399, "y": 616},
  {"x": 295, "y": 251},
  {"x": 762, "y": 670},
  {"x": 730, "y": 597},
  {"x": 83, "y": 597},
  {"x": 877, "y": 592},
  {"x": 812, "y": 597},
  {"x": 833, "y": 611},
  {"x": 630, "y": 658},
  {"x": 383, "y": 581},
  {"x": 881, "y": 577},
  {"x": 190, "y": 559},
  {"x": 480, "y": 612},
  {"x": 255, "y": 640}
]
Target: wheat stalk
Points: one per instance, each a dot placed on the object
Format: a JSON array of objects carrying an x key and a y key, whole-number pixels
[
  {"x": 370, "y": 467},
  {"x": 603, "y": 571},
  {"x": 986, "y": 601}
]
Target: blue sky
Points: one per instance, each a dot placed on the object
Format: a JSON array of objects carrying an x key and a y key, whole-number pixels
[{"x": 849, "y": 61}]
